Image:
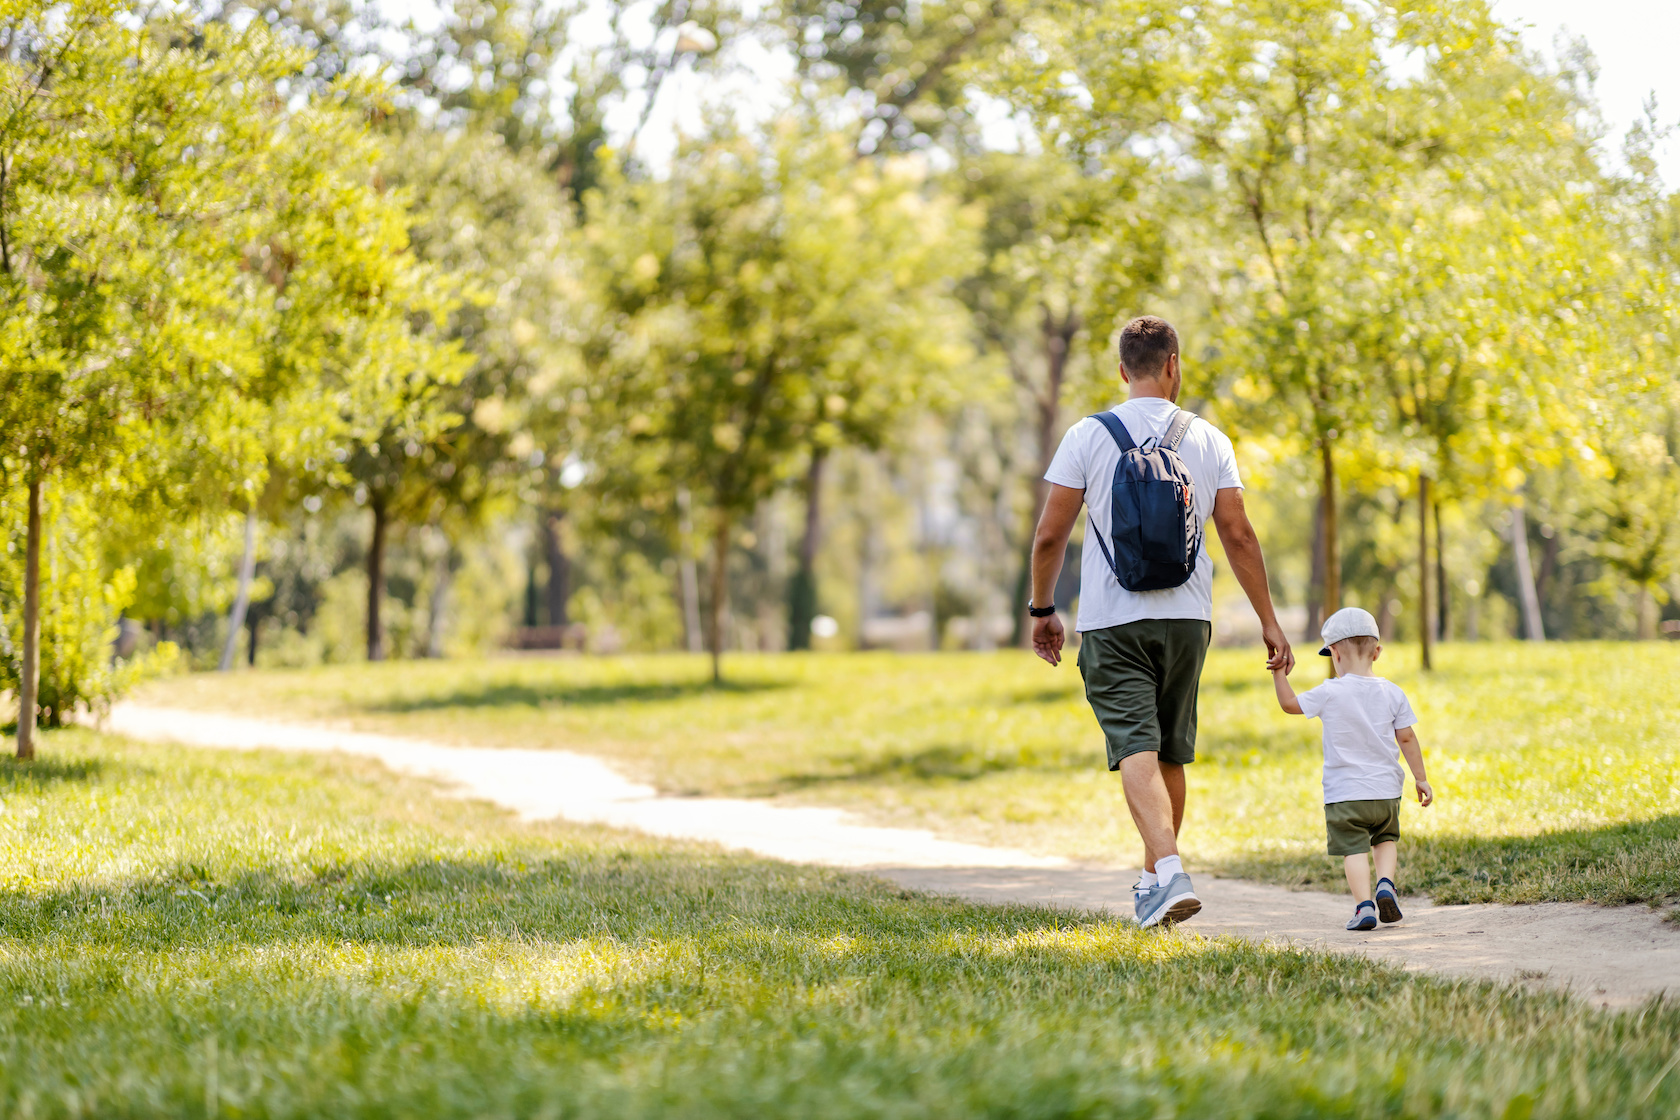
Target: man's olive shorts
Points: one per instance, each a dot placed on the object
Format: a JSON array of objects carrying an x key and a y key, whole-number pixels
[{"x": 1142, "y": 679}]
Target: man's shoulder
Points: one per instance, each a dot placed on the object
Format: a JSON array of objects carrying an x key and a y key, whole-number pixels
[{"x": 1203, "y": 428}]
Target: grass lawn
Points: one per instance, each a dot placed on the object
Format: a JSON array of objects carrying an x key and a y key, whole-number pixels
[
  {"x": 192, "y": 933},
  {"x": 1555, "y": 766}
]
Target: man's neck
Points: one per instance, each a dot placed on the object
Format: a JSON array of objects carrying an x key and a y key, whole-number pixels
[{"x": 1137, "y": 390}]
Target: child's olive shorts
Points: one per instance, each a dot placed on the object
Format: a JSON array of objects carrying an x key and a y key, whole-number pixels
[{"x": 1356, "y": 825}]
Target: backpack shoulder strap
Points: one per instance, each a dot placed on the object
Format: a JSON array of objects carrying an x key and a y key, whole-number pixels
[
  {"x": 1175, "y": 431},
  {"x": 1115, "y": 429}
]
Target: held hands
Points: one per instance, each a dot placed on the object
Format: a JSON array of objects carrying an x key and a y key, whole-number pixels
[
  {"x": 1425, "y": 792},
  {"x": 1047, "y": 638},
  {"x": 1278, "y": 654}
]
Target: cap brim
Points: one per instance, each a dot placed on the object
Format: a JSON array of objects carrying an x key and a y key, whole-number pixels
[{"x": 1325, "y": 652}]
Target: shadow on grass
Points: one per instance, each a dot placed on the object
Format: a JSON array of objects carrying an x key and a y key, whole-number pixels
[
  {"x": 943, "y": 762},
  {"x": 627, "y": 896},
  {"x": 1045, "y": 696},
  {"x": 43, "y": 772},
  {"x": 1614, "y": 865},
  {"x": 517, "y": 694}
]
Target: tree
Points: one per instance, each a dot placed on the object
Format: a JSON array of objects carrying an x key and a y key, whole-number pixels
[
  {"x": 909, "y": 65},
  {"x": 192, "y": 273},
  {"x": 335, "y": 276},
  {"x": 1482, "y": 252},
  {"x": 128, "y": 154},
  {"x": 771, "y": 297}
]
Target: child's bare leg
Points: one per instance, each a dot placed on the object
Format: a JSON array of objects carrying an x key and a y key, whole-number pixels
[
  {"x": 1387, "y": 858},
  {"x": 1358, "y": 876}
]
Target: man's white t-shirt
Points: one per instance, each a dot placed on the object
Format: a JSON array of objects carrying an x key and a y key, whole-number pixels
[
  {"x": 1361, "y": 715},
  {"x": 1086, "y": 461}
]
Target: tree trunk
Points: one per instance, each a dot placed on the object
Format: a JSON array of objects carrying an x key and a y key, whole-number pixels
[
  {"x": 1332, "y": 543},
  {"x": 720, "y": 591},
  {"x": 802, "y": 592},
  {"x": 1647, "y": 613},
  {"x": 376, "y": 584},
  {"x": 1548, "y": 564},
  {"x": 689, "y": 578},
  {"x": 242, "y": 599},
  {"x": 1442, "y": 599},
  {"x": 559, "y": 590},
  {"x": 30, "y": 671},
  {"x": 1315, "y": 580},
  {"x": 439, "y": 600},
  {"x": 251, "y": 619},
  {"x": 1534, "y": 629},
  {"x": 1425, "y": 621}
]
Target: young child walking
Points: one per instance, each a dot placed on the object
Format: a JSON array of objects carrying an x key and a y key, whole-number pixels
[{"x": 1364, "y": 717}]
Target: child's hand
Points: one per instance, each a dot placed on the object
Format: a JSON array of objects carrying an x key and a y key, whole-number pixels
[{"x": 1426, "y": 793}]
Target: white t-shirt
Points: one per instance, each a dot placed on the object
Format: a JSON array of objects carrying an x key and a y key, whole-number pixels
[
  {"x": 1086, "y": 461},
  {"x": 1361, "y": 715}
]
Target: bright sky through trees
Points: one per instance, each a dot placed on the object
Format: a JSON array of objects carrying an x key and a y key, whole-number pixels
[{"x": 1631, "y": 39}]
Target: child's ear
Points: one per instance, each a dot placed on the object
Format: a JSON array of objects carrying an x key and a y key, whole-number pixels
[{"x": 1376, "y": 653}]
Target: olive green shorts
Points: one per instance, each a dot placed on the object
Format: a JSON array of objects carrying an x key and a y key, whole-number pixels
[
  {"x": 1354, "y": 826},
  {"x": 1142, "y": 679}
]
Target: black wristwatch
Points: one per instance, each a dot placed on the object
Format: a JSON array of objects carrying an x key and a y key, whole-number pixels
[{"x": 1040, "y": 612}]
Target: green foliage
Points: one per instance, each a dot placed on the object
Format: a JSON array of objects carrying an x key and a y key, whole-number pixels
[
  {"x": 206, "y": 291},
  {"x": 85, "y": 597},
  {"x": 765, "y": 299},
  {"x": 628, "y": 606}
]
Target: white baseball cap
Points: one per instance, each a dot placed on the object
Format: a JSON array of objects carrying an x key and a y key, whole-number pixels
[{"x": 1349, "y": 622}]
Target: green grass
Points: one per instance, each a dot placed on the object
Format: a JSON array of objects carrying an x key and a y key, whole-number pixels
[
  {"x": 1556, "y": 766},
  {"x": 191, "y": 933}
]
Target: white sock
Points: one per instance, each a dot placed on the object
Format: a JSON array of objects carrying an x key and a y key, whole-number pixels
[
  {"x": 1147, "y": 880},
  {"x": 1166, "y": 867}
]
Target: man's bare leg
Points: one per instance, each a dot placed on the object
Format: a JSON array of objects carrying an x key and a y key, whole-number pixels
[
  {"x": 1155, "y": 810},
  {"x": 1172, "y": 773}
]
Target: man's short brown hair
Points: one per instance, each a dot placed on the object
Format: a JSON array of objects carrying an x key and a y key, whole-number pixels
[{"x": 1146, "y": 344}]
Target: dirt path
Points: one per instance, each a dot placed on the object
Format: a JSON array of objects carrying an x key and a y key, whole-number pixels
[{"x": 1611, "y": 956}]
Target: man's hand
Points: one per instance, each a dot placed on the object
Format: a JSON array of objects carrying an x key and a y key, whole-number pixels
[
  {"x": 1278, "y": 653},
  {"x": 1047, "y": 638},
  {"x": 1426, "y": 793}
]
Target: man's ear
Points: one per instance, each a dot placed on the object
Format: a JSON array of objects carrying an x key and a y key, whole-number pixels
[{"x": 1125, "y": 378}]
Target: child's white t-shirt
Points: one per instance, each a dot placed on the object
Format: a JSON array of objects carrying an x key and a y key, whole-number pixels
[{"x": 1361, "y": 715}]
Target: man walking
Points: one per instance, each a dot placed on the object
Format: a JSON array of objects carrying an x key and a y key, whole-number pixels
[{"x": 1141, "y": 651}]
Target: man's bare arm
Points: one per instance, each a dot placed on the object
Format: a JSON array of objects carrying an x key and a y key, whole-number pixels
[
  {"x": 1242, "y": 549},
  {"x": 1055, "y": 524}
]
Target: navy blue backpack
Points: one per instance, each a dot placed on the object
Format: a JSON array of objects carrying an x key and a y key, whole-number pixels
[{"x": 1152, "y": 511}]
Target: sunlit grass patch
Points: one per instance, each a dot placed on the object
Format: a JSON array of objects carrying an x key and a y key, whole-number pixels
[{"x": 199, "y": 932}]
